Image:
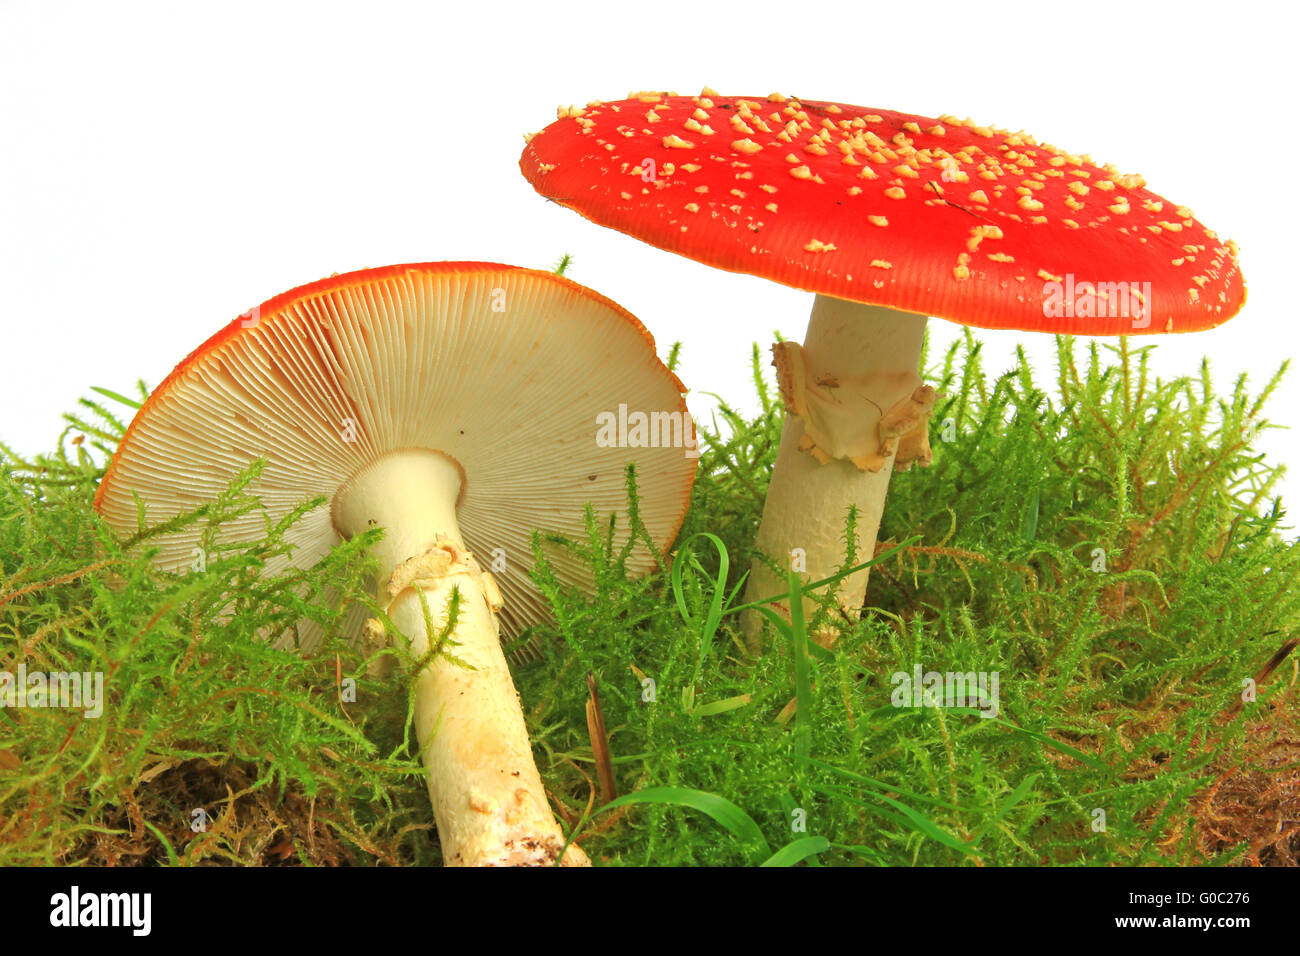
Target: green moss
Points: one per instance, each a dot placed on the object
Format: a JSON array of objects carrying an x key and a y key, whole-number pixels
[{"x": 1109, "y": 547}]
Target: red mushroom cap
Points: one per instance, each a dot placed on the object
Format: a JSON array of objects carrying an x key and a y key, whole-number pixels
[{"x": 941, "y": 217}]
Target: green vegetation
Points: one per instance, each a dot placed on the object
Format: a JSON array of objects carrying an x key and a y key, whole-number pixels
[{"x": 1109, "y": 548}]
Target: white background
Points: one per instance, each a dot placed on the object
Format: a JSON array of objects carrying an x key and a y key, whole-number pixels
[{"x": 164, "y": 167}]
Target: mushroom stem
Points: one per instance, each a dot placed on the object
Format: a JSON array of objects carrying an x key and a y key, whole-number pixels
[
  {"x": 487, "y": 795},
  {"x": 853, "y": 395}
]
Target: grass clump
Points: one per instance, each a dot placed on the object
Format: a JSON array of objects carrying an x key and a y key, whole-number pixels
[
  {"x": 213, "y": 746},
  {"x": 1111, "y": 549}
]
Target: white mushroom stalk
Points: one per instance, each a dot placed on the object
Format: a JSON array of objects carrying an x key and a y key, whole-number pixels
[
  {"x": 488, "y": 798},
  {"x": 855, "y": 410},
  {"x": 920, "y": 215},
  {"x": 456, "y": 405}
]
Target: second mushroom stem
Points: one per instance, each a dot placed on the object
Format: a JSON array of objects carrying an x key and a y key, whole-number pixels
[
  {"x": 854, "y": 402},
  {"x": 487, "y": 795}
]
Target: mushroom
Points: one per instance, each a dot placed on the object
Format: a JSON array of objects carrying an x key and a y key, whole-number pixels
[
  {"x": 458, "y": 406},
  {"x": 888, "y": 218}
]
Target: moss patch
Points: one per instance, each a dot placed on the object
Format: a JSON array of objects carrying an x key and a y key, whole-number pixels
[{"x": 1109, "y": 544}]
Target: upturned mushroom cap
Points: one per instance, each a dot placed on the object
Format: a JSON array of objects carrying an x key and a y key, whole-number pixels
[
  {"x": 505, "y": 370},
  {"x": 941, "y": 217}
]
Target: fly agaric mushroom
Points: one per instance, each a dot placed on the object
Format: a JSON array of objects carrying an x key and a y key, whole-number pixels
[
  {"x": 888, "y": 218},
  {"x": 455, "y": 405}
]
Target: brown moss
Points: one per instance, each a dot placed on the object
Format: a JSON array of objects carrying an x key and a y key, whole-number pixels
[
  {"x": 246, "y": 823},
  {"x": 1255, "y": 800}
]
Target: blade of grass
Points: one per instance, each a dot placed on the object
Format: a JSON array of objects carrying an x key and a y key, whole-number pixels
[
  {"x": 721, "y": 706},
  {"x": 1008, "y": 804},
  {"x": 115, "y": 396},
  {"x": 928, "y": 827},
  {"x": 723, "y": 812},
  {"x": 797, "y": 851},
  {"x": 802, "y": 682},
  {"x": 1042, "y": 738},
  {"x": 714, "y": 615},
  {"x": 839, "y": 575}
]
